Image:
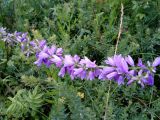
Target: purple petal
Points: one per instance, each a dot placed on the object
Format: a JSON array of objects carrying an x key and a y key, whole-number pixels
[
  {"x": 42, "y": 43},
  {"x": 32, "y": 43},
  {"x": 68, "y": 61},
  {"x": 97, "y": 72},
  {"x": 111, "y": 75},
  {"x": 150, "y": 80},
  {"x": 22, "y": 46},
  {"x": 38, "y": 62},
  {"x": 110, "y": 61},
  {"x": 78, "y": 71},
  {"x": 52, "y": 50},
  {"x": 132, "y": 72},
  {"x": 43, "y": 55},
  {"x": 48, "y": 63},
  {"x": 156, "y": 62},
  {"x": 118, "y": 59},
  {"x": 102, "y": 77},
  {"x": 59, "y": 52},
  {"x": 124, "y": 65},
  {"x": 140, "y": 63},
  {"x": 120, "y": 80},
  {"x": 140, "y": 73},
  {"x": 76, "y": 58},
  {"x": 57, "y": 60},
  {"x": 130, "y": 81},
  {"x": 62, "y": 72},
  {"x": 88, "y": 63},
  {"x": 90, "y": 75},
  {"x": 107, "y": 70},
  {"x": 129, "y": 60},
  {"x": 70, "y": 70},
  {"x": 83, "y": 75}
]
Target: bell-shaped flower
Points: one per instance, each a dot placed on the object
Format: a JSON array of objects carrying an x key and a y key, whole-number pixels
[
  {"x": 88, "y": 63},
  {"x": 129, "y": 60},
  {"x": 156, "y": 62},
  {"x": 68, "y": 61},
  {"x": 62, "y": 72},
  {"x": 59, "y": 51},
  {"x": 56, "y": 60},
  {"x": 91, "y": 75}
]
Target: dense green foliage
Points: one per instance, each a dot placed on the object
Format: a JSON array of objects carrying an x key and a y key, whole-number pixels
[{"x": 87, "y": 28}]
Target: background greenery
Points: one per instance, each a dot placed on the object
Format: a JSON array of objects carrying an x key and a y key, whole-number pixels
[{"x": 87, "y": 28}]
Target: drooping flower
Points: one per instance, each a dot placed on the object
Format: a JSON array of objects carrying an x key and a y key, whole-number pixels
[
  {"x": 140, "y": 63},
  {"x": 88, "y": 63},
  {"x": 62, "y": 72},
  {"x": 59, "y": 52},
  {"x": 56, "y": 60},
  {"x": 143, "y": 78},
  {"x": 68, "y": 61},
  {"x": 156, "y": 62},
  {"x": 117, "y": 69},
  {"x": 91, "y": 75},
  {"x": 52, "y": 50},
  {"x": 129, "y": 60},
  {"x": 41, "y": 43}
]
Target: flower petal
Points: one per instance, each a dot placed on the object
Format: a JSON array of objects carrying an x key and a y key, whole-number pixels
[{"x": 156, "y": 62}]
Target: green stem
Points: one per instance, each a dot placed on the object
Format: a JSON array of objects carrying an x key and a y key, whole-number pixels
[
  {"x": 107, "y": 101},
  {"x": 150, "y": 101}
]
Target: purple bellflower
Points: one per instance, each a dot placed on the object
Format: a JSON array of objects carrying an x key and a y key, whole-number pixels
[{"x": 118, "y": 68}]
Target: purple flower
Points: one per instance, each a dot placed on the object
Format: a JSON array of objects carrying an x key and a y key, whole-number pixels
[
  {"x": 88, "y": 63},
  {"x": 56, "y": 60},
  {"x": 129, "y": 60},
  {"x": 107, "y": 70},
  {"x": 42, "y": 43},
  {"x": 83, "y": 75},
  {"x": 123, "y": 65},
  {"x": 62, "y": 72},
  {"x": 69, "y": 63},
  {"x": 3, "y": 31},
  {"x": 111, "y": 75},
  {"x": 156, "y": 62},
  {"x": 140, "y": 63},
  {"x": 97, "y": 72},
  {"x": 76, "y": 58},
  {"x": 110, "y": 61},
  {"x": 120, "y": 80},
  {"x": 91, "y": 75},
  {"x": 143, "y": 77},
  {"x": 117, "y": 69},
  {"x": 43, "y": 55},
  {"x": 32, "y": 43},
  {"x": 52, "y": 50},
  {"x": 38, "y": 62},
  {"x": 68, "y": 60},
  {"x": 150, "y": 80},
  {"x": 78, "y": 71},
  {"x": 59, "y": 52},
  {"x": 22, "y": 37}
]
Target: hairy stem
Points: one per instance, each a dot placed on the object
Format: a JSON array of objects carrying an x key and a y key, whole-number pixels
[
  {"x": 118, "y": 38},
  {"x": 120, "y": 28}
]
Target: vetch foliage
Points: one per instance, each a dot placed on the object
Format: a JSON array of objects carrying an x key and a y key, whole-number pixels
[{"x": 24, "y": 102}]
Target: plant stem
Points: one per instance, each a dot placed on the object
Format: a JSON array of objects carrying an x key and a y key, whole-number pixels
[
  {"x": 107, "y": 101},
  {"x": 120, "y": 29},
  {"x": 116, "y": 47}
]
